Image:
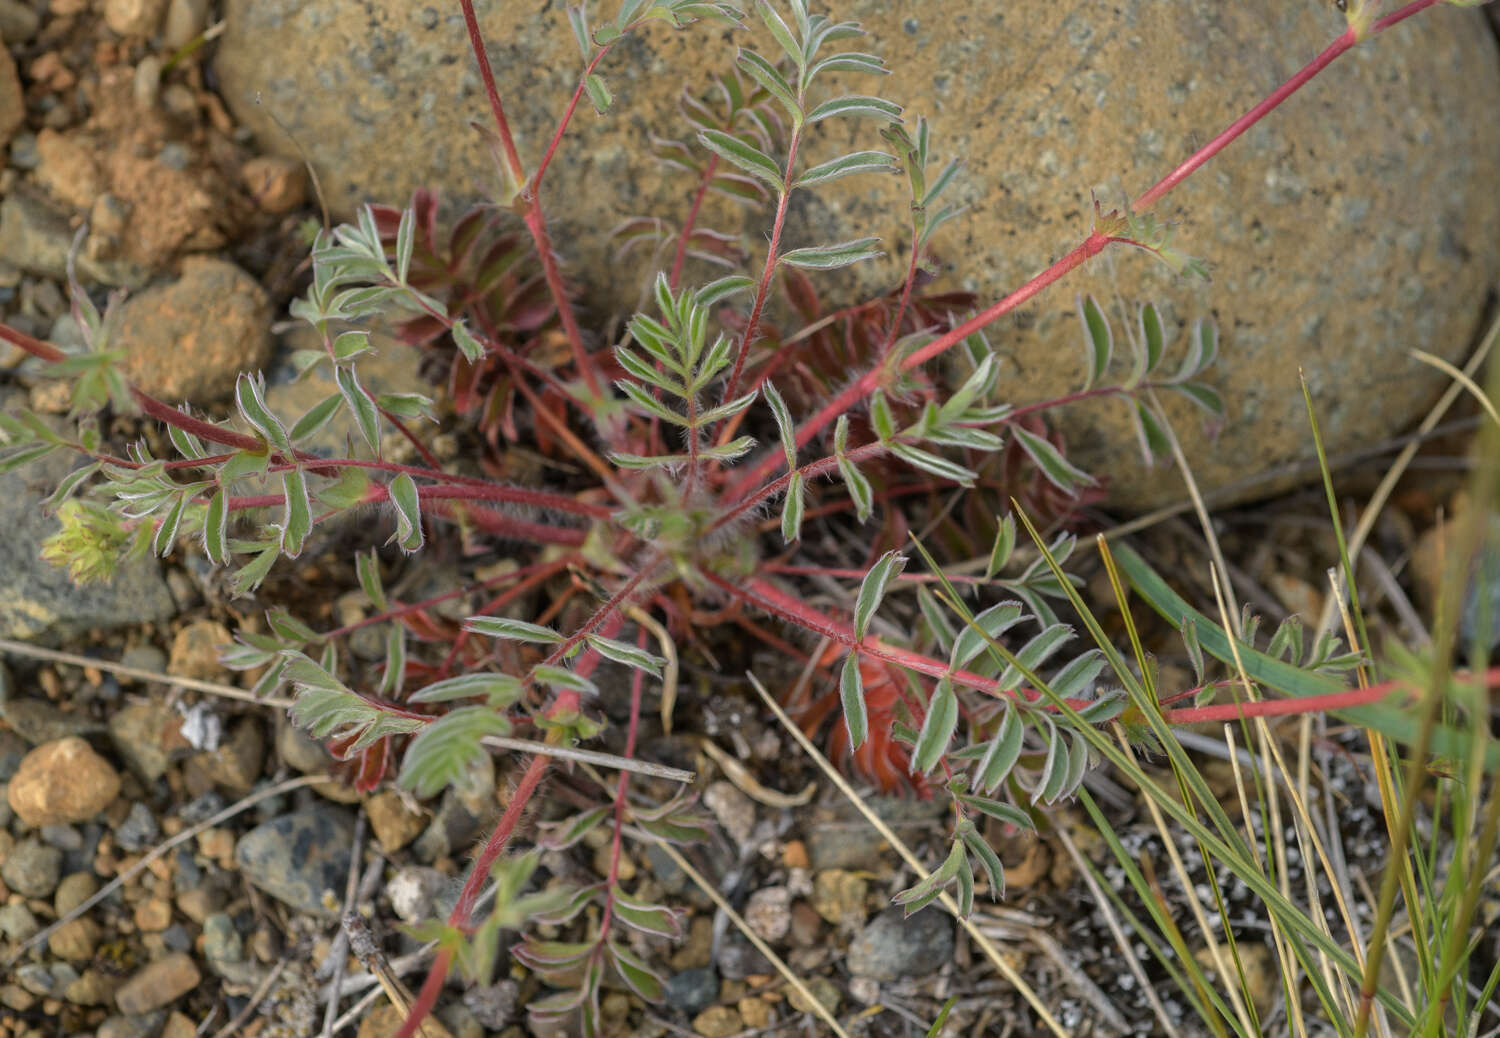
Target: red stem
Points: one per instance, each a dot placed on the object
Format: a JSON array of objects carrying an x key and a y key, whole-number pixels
[
  {"x": 765, "y": 596},
  {"x": 536, "y": 220},
  {"x": 765, "y": 278},
  {"x": 459, "y": 917},
  {"x": 487, "y": 76},
  {"x": 1345, "y": 42},
  {"x": 637, "y": 681},
  {"x": 692, "y": 218},
  {"x": 1091, "y": 246},
  {"x": 872, "y": 379}
]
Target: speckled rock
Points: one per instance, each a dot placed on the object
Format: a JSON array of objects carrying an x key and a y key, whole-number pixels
[
  {"x": 299, "y": 856},
  {"x": 37, "y": 600},
  {"x": 190, "y": 340},
  {"x": 892, "y": 947},
  {"x": 62, "y": 782},
  {"x": 1360, "y": 219}
]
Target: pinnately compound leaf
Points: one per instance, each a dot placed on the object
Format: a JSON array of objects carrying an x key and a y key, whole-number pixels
[
  {"x": 403, "y": 493},
  {"x": 852, "y": 697},
  {"x": 442, "y": 751},
  {"x": 873, "y": 588}
]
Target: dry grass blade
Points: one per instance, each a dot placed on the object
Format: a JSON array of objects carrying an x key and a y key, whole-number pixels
[
  {"x": 761, "y": 946},
  {"x": 1106, "y": 909},
  {"x": 214, "y": 688},
  {"x": 501, "y": 742},
  {"x": 1398, "y": 468},
  {"x": 1462, "y": 379},
  {"x": 750, "y": 785},
  {"x": 985, "y": 944},
  {"x": 243, "y": 1016}
]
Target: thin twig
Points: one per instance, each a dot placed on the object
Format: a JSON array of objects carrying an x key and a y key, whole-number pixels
[
  {"x": 761, "y": 946},
  {"x": 604, "y": 760},
  {"x": 1106, "y": 909},
  {"x": 986, "y": 945},
  {"x": 501, "y": 742},
  {"x": 157, "y": 851},
  {"x": 256, "y": 999},
  {"x": 341, "y": 939},
  {"x": 1387, "y": 486},
  {"x": 138, "y": 673}
]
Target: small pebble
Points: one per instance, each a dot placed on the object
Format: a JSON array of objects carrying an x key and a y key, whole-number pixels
[
  {"x": 393, "y": 822},
  {"x": 893, "y": 947},
  {"x": 36, "y": 978},
  {"x": 195, "y": 650},
  {"x": 60, "y": 782},
  {"x": 76, "y": 940},
  {"x": 822, "y": 989},
  {"x": 733, "y": 809},
  {"x": 146, "y": 86},
  {"x": 692, "y": 991},
  {"x": 17, "y": 922},
  {"x": 139, "y": 831},
  {"x": 146, "y": 1026},
  {"x": 73, "y": 891},
  {"x": 277, "y": 184},
  {"x": 185, "y": 21},
  {"x": 718, "y": 1022},
  {"x": 153, "y": 915},
  {"x": 221, "y": 941},
  {"x": 157, "y": 985},
  {"x": 300, "y": 857},
  {"x": 839, "y": 896},
  {"x": 769, "y": 913},
  {"x": 32, "y": 869},
  {"x": 756, "y": 1012},
  {"x": 133, "y": 17}
]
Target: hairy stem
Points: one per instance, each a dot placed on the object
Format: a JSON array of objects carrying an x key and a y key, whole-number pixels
[
  {"x": 706, "y": 179},
  {"x": 764, "y": 289}
]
